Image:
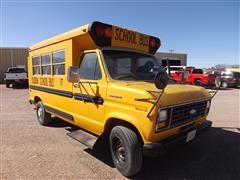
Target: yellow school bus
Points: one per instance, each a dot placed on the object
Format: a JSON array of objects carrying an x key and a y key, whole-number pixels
[{"x": 106, "y": 80}]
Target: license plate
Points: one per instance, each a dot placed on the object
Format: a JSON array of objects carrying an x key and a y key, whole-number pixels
[{"x": 191, "y": 135}]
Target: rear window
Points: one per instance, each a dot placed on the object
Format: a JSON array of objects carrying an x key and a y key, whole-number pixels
[
  {"x": 227, "y": 74},
  {"x": 176, "y": 68},
  {"x": 16, "y": 70},
  {"x": 197, "y": 71}
]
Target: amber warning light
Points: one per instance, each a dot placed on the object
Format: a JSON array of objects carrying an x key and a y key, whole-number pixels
[{"x": 101, "y": 33}]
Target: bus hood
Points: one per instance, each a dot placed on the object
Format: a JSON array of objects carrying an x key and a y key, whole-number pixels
[{"x": 173, "y": 93}]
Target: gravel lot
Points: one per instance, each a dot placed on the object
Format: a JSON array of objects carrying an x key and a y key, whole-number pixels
[{"x": 31, "y": 151}]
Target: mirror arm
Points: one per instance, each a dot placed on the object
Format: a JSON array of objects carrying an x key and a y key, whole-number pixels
[
  {"x": 159, "y": 96},
  {"x": 169, "y": 70},
  {"x": 215, "y": 92}
]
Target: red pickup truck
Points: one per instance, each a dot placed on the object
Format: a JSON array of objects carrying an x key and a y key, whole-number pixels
[{"x": 194, "y": 76}]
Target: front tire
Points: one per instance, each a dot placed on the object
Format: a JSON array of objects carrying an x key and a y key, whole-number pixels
[
  {"x": 224, "y": 84},
  {"x": 126, "y": 150},
  {"x": 43, "y": 117}
]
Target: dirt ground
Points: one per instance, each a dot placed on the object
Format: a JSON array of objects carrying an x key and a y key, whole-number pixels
[{"x": 31, "y": 151}]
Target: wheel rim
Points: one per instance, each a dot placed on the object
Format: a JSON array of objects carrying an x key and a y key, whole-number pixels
[
  {"x": 198, "y": 83},
  {"x": 224, "y": 84},
  {"x": 40, "y": 113},
  {"x": 119, "y": 150}
]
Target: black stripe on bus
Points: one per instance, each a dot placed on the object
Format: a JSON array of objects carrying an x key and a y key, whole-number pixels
[
  {"x": 59, "y": 113},
  {"x": 89, "y": 98},
  {"x": 53, "y": 91},
  {"x": 78, "y": 96}
]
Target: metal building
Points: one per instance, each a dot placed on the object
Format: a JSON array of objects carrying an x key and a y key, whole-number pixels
[
  {"x": 175, "y": 59},
  {"x": 11, "y": 57}
]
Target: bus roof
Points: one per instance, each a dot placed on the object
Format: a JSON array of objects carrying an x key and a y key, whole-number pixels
[
  {"x": 106, "y": 35},
  {"x": 61, "y": 37}
]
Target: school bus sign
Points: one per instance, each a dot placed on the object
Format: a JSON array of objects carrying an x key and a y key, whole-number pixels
[{"x": 128, "y": 39}]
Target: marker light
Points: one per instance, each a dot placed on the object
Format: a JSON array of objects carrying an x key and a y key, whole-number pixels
[
  {"x": 99, "y": 30},
  {"x": 154, "y": 44},
  {"x": 108, "y": 32},
  {"x": 101, "y": 33}
]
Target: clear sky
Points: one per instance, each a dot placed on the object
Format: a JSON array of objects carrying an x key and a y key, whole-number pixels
[{"x": 207, "y": 30}]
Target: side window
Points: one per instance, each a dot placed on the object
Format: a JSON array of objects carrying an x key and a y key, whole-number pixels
[
  {"x": 197, "y": 71},
  {"x": 58, "y": 60},
  {"x": 89, "y": 67},
  {"x": 46, "y": 64},
  {"x": 36, "y": 64}
]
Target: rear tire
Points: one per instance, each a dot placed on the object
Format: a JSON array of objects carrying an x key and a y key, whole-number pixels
[
  {"x": 198, "y": 83},
  {"x": 126, "y": 150},
  {"x": 7, "y": 85},
  {"x": 43, "y": 117}
]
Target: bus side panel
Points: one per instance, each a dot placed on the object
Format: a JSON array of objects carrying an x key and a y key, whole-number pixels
[{"x": 54, "y": 90}]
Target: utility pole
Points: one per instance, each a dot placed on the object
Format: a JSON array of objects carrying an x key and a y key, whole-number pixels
[{"x": 11, "y": 56}]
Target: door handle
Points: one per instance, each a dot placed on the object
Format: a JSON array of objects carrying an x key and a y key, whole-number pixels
[{"x": 76, "y": 85}]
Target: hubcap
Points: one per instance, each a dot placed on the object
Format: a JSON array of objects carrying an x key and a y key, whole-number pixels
[
  {"x": 119, "y": 150},
  {"x": 224, "y": 84},
  {"x": 40, "y": 113}
]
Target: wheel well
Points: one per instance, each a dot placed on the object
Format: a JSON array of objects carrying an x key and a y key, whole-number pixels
[
  {"x": 118, "y": 122},
  {"x": 197, "y": 79},
  {"x": 37, "y": 99}
]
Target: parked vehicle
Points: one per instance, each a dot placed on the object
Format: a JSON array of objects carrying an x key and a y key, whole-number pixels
[
  {"x": 194, "y": 76},
  {"x": 214, "y": 72},
  {"x": 105, "y": 79},
  {"x": 230, "y": 79},
  {"x": 227, "y": 78},
  {"x": 15, "y": 75}
]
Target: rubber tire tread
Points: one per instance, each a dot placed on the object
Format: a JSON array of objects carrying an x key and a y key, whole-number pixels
[
  {"x": 133, "y": 148},
  {"x": 198, "y": 82},
  {"x": 46, "y": 116}
]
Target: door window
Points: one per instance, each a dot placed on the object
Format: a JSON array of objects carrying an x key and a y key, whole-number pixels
[{"x": 89, "y": 67}]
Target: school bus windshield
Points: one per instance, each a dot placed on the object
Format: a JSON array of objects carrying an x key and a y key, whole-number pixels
[{"x": 132, "y": 66}]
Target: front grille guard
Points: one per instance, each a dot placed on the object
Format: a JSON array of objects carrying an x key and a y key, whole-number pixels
[{"x": 176, "y": 118}]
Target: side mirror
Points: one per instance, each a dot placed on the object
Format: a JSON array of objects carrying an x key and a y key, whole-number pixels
[
  {"x": 161, "y": 80},
  {"x": 73, "y": 75}
]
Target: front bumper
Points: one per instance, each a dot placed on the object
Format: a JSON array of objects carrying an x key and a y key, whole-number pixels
[
  {"x": 153, "y": 149},
  {"x": 209, "y": 83},
  {"x": 233, "y": 83},
  {"x": 16, "y": 81}
]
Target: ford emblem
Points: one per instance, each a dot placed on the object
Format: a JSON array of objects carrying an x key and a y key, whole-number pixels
[{"x": 193, "y": 111}]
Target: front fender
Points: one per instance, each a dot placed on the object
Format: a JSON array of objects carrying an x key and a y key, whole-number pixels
[{"x": 144, "y": 126}]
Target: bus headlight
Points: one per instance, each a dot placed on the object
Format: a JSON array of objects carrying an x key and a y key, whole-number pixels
[
  {"x": 162, "y": 115},
  {"x": 161, "y": 119}
]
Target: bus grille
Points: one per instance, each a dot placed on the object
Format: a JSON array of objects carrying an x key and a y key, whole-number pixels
[{"x": 188, "y": 112}]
